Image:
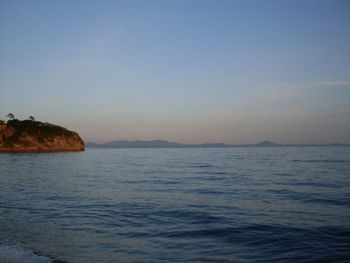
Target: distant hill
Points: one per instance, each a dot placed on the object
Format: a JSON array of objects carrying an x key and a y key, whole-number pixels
[
  {"x": 35, "y": 136},
  {"x": 167, "y": 144},
  {"x": 134, "y": 144},
  {"x": 149, "y": 144}
]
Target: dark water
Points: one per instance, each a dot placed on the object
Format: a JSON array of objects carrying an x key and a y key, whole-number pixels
[{"x": 176, "y": 205}]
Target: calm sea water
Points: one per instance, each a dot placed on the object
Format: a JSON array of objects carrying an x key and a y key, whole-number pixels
[{"x": 176, "y": 205}]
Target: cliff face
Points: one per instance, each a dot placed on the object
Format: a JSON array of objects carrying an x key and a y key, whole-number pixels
[{"x": 35, "y": 136}]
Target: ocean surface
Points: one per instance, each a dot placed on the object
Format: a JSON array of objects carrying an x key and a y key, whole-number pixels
[{"x": 267, "y": 204}]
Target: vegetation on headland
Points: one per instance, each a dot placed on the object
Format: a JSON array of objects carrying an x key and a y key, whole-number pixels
[
  {"x": 35, "y": 136},
  {"x": 41, "y": 130}
]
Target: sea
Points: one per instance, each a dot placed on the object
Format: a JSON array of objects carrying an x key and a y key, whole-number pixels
[{"x": 241, "y": 204}]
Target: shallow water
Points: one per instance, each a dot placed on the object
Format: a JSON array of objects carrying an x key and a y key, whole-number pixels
[{"x": 277, "y": 204}]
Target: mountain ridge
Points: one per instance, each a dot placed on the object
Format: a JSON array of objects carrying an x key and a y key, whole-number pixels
[{"x": 169, "y": 144}]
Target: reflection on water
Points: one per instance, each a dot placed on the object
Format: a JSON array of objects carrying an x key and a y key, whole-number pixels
[{"x": 225, "y": 204}]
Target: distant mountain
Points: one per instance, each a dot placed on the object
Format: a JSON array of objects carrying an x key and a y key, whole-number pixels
[
  {"x": 167, "y": 144},
  {"x": 135, "y": 144},
  {"x": 150, "y": 144}
]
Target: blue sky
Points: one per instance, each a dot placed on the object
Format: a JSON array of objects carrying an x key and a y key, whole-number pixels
[{"x": 187, "y": 71}]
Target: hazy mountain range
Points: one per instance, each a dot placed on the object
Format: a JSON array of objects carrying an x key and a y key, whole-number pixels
[{"x": 167, "y": 144}]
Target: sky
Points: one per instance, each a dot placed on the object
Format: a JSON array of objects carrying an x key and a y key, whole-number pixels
[{"x": 190, "y": 71}]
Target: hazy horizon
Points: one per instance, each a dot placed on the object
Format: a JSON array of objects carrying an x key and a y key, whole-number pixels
[{"x": 193, "y": 71}]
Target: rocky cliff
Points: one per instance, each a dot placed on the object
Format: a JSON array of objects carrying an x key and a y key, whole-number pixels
[{"x": 35, "y": 136}]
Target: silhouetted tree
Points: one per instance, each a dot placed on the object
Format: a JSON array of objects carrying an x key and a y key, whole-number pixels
[
  {"x": 11, "y": 116},
  {"x": 31, "y": 118},
  {"x": 2, "y": 122}
]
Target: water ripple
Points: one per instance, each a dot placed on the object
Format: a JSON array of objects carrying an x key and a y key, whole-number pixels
[{"x": 177, "y": 205}]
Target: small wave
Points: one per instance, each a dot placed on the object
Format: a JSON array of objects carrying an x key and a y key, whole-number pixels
[
  {"x": 322, "y": 161},
  {"x": 192, "y": 217},
  {"x": 17, "y": 254},
  {"x": 212, "y": 173},
  {"x": 338, "y": 201},
  {"x": 314, "y": 184},
  {"x": 200, "y": 166}
]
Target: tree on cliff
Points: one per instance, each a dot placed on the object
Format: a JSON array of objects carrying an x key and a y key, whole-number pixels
[
  {"x": 31, "y": 118},
  {"x": 11, "y": 116}
]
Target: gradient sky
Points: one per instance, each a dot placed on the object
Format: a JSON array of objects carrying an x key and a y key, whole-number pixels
[{"x": 188, "y": 71}]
